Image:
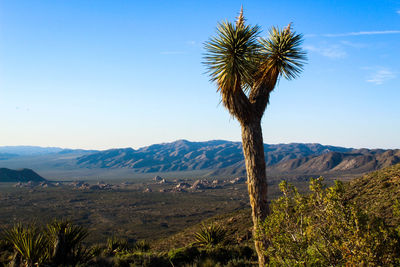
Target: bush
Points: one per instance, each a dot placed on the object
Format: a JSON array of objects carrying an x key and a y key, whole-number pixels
[
  {"x": 210, "y": 236},
  {"x": 59, "y": 244},
  {"x": 115, "y": 245},
  {"x": 183, "y": 255},
  {"x": 29, "y": 244},
  {"x": 142, "y": 259},
  {"x": 323, "y": 229},
  {"x": 142, "y": 246},
  {"x": 212, "y": 256},
  {"x": 65, "y": 241},
  {"x": 239, "y": 263}
]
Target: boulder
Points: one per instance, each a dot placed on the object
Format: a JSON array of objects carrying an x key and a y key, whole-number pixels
[
  {"x": 158, "y": 178},
  {"x": 238, "y": 180},
  {"x": 182, "y": 186},
  {"x": 199, "y": 184}
]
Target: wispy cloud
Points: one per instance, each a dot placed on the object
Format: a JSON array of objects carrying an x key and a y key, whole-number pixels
[
  {"x": 353, "y": 45},
  {"x": 361, "y": 33},
  {"x": 172, "y": 53},
  {"x": 381, "y": 75},
  {"x": 331, "y": 51},
  {"x": 398, "y": 12}
]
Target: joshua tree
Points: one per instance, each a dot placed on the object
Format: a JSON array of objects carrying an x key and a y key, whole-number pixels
[{"x": 246, "y": 69}]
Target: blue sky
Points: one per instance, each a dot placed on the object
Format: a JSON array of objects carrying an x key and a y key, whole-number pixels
[{"x": 103, "y": 74}]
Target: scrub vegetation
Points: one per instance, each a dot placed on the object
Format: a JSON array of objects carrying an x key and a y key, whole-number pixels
[{"x": 327, "y": 226}]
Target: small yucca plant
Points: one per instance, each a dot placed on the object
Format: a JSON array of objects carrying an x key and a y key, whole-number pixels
[
  {"x": 65, "y": 239},
  {"x": 29, "y": 244},
  {"x": 142, "y": 246},
  {"x": 115, "y": 245},
  {"x": 210, "y": 236}
]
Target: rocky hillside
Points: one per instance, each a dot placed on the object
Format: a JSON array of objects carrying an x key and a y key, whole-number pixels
[
  {"x": 355, "y": 161},
  {"x": 24, "y": 175},
  {"x": 378, "y": 191},
  {"x": 226, "y": 158}
]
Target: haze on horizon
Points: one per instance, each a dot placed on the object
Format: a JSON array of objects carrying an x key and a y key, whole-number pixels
[{"x": 99, "y": 75}]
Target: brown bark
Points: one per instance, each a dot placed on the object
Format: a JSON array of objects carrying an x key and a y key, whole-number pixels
[
  {"x": 249, "y": 111},
  {"x": 253, "y": 149},
  {"x": 238, "y": 104},
  {"x": 259, "y": 95}
]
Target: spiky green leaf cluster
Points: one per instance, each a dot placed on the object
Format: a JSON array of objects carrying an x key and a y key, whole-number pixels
[
  {"x": 282, "y": 51},
  {"x": 71, "y": 234},
  {"x": 29, "y": 243},
  {"x": 115, "y": 245},
  {"x": 231, "y": 56},
  {"x": 237, "y": 59},
  {"x": 142, "y": 246},
  {"x": 59, "y": 244},
  {"x": 65, "y": 238},
  {"x": 210, "y": 236}
]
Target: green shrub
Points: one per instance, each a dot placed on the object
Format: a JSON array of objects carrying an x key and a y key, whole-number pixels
[
  {"x": 6, "y": 251},
  {"x": 65, "y": 240},
  {"x": 142, "y": 259},
  {"x": 96, "y": 250},
  {"x": 245, "y": 252},
  {"x": 239, "y": 263},
  {"x": 396, "y": 213},
  {"x": 142, "y": 246},
  {"x": 29, "y": 244},
  {"x": 183, "y": 255},
  {"x": 115, "y": 245},
  {"x": 220, "y": 254},
  {"x": 324, "y": 229},
  {"x": 204, "y": 262},
  {"x": 226, "y": 255},
  {"x": 210, "y": 236}
]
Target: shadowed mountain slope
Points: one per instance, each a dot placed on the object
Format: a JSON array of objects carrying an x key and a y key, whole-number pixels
[{"x": 24, "y": 175}]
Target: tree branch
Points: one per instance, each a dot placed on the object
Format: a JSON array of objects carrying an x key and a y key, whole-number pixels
[
  {"x": 238, "y": 105},
  {"x": 259, "y": 94}
]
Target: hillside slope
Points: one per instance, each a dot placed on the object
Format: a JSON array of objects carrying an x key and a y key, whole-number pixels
[
  {"x": 23, "y": 175},
  {"x": 378, "y": 191},
  {"x": 357, "y": 161}
]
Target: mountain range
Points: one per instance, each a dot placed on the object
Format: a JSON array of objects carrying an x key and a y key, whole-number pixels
[
  {"x": 224, "y": 158},
  {"x": 217, "y": 158}
]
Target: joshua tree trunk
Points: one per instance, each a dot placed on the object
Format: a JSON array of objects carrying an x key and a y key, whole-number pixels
[{"x": 253, "y": 149}]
